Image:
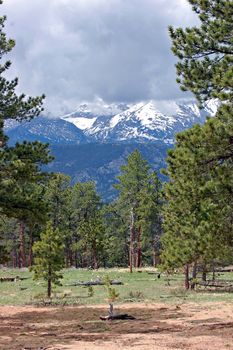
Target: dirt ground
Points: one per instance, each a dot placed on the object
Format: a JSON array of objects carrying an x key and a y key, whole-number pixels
[{"x": 157, "y": 326}]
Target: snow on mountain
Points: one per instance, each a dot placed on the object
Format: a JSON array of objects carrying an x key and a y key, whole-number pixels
[
  {"x": 94, "y": 109},
  {"x": 85, "y": 116},
  {"x": 81, "y": 122},
  {"x": 100, "y": 122},
  {"x": 53, "y": 131},
  {"x": 211, "y": 107},
  {"x": 141, "y": 122}
]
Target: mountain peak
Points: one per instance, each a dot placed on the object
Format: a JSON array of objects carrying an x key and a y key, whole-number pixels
[{"x": 102, "y": 122}]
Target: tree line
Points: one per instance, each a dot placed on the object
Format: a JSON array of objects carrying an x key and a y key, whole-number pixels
[{"x": 94, "y": 234}]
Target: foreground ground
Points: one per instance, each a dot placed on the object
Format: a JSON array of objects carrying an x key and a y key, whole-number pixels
[
  {"x": 157, "y": 326},
  {"x": 166, "y": 316}
]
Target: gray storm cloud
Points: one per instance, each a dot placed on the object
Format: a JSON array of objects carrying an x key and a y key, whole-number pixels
[{"x": 75, "y": 50}]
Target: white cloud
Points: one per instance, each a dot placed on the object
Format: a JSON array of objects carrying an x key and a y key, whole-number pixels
[{"x": 77, "y": 50}]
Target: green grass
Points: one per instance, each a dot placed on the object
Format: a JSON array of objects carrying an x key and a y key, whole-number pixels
[{"x": 137, "y": 287}]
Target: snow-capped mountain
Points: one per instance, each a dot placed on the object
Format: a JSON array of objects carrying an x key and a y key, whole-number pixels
[
  {"x": 87, "y": 113},
  {"x": 142, "y": 122},
  {"x": 100, "y": 122},
  {"x": 92, "y": 143},
  {"x": 53, "y": 131}
]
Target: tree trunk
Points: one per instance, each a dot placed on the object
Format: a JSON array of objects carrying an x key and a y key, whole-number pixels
[
  {"x": 95, "y": 261},
  {"x": 186, "y": 276},
  {"x": 76, "y": 252},
  {"x": 49, "y": 287},
  {"x": 14, "y": 258},
  {"x": 204, "y": 273},
  {"x": 213, "y": 271},
  {"x": 194, "y": 275},
  {"x": 131, "y": 244},
  {"x": 30, "y": 254},
  {"x": 139, "y": 250},
  {"x": 22, "y": 257},
  {"x": 71, "y": 260},
  {"x": 154, "y": 256}
]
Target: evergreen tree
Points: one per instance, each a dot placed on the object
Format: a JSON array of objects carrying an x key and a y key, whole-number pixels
[
  {"x": 205, "y": 52},
  {"x": 19, "y": 165},
  {"x": 89, "y": 235},
  {"x": 135, "y": 187},
  {"x": 117, "y": 231},
  {"x": 197, "y": 215},
  {"x": 13, "y": 106},
  {"x": 151, "y": 219},
  {"x": 57, "y": 198},
  {"x": 49, "y": 257}
]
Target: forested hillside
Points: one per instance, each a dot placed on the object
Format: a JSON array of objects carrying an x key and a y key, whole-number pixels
[{"x": 101, "y": 162}]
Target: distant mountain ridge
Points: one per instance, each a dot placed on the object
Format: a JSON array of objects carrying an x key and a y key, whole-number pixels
[
  {"x": 53, "y": 131},
  {"x": 91, "y": 143},
  {"x": 142, "y": 122}
]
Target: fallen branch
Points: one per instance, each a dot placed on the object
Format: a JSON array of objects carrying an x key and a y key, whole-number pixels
[
  {"x": 12, "y": 279},
  {"x": 224, "y": 270},
  {"x": 117, "y": 317},
  {"x": 113, "y": 316},
  {"x": 94, "y": 283}
]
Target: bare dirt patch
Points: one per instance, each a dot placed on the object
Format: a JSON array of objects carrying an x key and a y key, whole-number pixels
[{"x": 165, "y": 327}]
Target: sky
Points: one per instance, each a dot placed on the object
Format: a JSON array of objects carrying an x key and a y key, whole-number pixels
[{"x": 82, "y": 50}]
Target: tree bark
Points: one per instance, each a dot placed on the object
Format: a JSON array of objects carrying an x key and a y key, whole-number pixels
[
  {"x": 204, "y": 273},
  {"x": 154, "y": 256},
  {"x": 194, "y": 275},
  {"x": 213, "y": 271},
  {"x": 139, "y": 250},
  {"x": 186, "y": 276},
  {"x": 95, "y": 261},
  {"x": 30, "y": 254},
  {"x": 76, "y": 252},
  {"x": 22, "y": 256},
  {"x": 49, "y": 287},
  {"x": 131, "y": 244}
]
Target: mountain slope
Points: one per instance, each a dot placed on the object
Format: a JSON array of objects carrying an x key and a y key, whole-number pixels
[
  {"x": 92, "y": 143},
  {"x": 53, "y": 131},
  {"x": 101, "y": 162},
  {"x": 142, "y": 122}
]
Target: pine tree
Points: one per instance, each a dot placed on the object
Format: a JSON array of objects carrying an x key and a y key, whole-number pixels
[
  {"x": 205, "y": 52},
  {"x": 57, "y": 198},
  {"x": 49, "y": 257},
  {"x": 89, "y": 232},
  {"x": 11, "y": 105},
  {"x": 117, "y": 231},
  {"x": 197, "y": 215},
  {"x": 135, "y": 187},
  {"x": 22, "y": 163}
]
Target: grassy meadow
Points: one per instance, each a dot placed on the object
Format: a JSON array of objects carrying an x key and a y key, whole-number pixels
[{"x": 137, "y": 287}]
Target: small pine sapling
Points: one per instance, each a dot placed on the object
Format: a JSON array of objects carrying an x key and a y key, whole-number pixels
[
  {"x": 112, "y": 293},
  {"x": 49, "y": 257}
]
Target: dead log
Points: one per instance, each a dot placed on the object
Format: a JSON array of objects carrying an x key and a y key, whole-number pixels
[
  {"x": 94, "y": 283},
  {"x": 117, "y": 317},
  {"x": 113, "y": 316},
  {"x": 12, "y": 279}
]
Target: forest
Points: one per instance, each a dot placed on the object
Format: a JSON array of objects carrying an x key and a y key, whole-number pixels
[{"x": 185, "y": 223}]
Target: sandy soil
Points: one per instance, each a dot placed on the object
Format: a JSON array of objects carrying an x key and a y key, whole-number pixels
[{"x": 162, "y": 327}]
